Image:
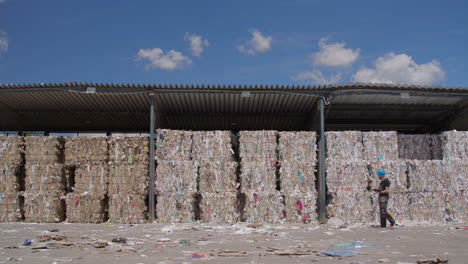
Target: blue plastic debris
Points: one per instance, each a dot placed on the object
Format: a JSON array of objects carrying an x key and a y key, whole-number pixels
[
  {"x": 341, "y": 252},
  {"x": 27, "y": 242}
]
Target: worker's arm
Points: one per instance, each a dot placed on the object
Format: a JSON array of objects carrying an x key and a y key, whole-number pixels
[{"x": 387, "y": 190}]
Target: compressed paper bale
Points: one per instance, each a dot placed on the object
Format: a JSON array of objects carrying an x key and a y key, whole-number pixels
[
  {"x": 297, "y": 177},
  {"x": 264, "y": 207},
  {"x": 455, "y": 145},
  {"x": 85, "y": 208},
  {"x": 301, "y": 207},
  {"x": 427, "y": 207},
  {"x": 11, "y": 148},
  {"x": 176, "y": 207},
  {"x": 129, "y": 150},
  {"x": 177, "y": 176},
  {"x": 456, "y": 200},
  {"x": 10, "y": 177},
  {"x": 128, "y": 209},
  {"x": 456, "y": 207},
  {"x": 258, "y": 145},
  {"x": 10, "y": 207},
  {"x": 380, "y": 145},
  {"x": 398, "y": 206},
  {"x": 128, "y": 179},
  {"x": 92, "y": 179},
  {"x": 427, "y": 175},
  {"x": 297, "y": 146},
  {"x": 219, "y": 208},
  {"x": 344, "y": 145},
  {"x": 212, "y": 146},
  {"x": 86, "y": 150},
  {"x": 44, "y": 178},
  {"x": 421, "y": 147},
  {"x": 258, "y": 176},
  {"x": 342, "y": 172},
  {"x": 173, "y": 145},
  {"x": 218, "y": 177},
  {"x": 44, "y": 207},
  {"x": 44, "y": 149},
  {"x": 353, "y": 205}
]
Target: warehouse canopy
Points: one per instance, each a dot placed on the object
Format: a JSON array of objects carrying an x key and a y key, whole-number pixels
[{"x": 94, "y": 107}]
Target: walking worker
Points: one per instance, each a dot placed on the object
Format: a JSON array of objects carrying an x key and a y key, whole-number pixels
[{"x": 384, "y": 190}]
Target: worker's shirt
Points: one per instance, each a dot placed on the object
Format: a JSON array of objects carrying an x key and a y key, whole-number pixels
[{"x": 384, "y": 184}]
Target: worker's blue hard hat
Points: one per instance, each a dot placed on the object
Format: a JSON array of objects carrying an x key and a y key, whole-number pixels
[{"x": 381, "y": 172}]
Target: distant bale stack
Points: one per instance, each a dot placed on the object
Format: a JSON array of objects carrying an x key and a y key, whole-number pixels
[
  {"x": 218, "y": 189},
  {"x": 45, "y": 179},
  {"x": 297, "y": 153},
  {"x": 87, "y": 161},
  {"x": 455, "y": 145},
  {"x": 11, "y": 178},
  {"x": 258, "y": 179},
  {"x": 419, "y": 147},
  {"x": 128, "y": 179},
  {"x": 176, "y": 186}
]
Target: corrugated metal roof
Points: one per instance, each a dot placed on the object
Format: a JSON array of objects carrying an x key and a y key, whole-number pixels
[{"x": 125, "y": 107}]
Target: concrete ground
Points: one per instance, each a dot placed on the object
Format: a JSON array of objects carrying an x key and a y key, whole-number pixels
[{"x": 202, "y": 243}]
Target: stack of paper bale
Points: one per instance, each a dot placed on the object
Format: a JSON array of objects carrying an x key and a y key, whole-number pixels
[
  {"x": 217, "y": 176},
  {"x": 176, "y": 186},
  {"x": 258, "y": 153},
  {"x": 427, "y": 184},
  {"x": 176, "y": 177},
  {"x": 128, "y": 179},
  {"x": 348, "y": 177},
  {"x": 11, "y": 178},
  {"x": 419, "y": 147},
  {"x": 298, "y": 158},
  {"x": 456, "y": 185},
  {"x": 87, "y": 159},
  {"x": 45, "y": 180},
  {"x": 455, "y": 145}
]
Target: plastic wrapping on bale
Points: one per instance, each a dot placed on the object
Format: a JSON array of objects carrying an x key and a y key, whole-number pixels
[
  {"x": 128, "y": 179},
  {"x": 212, "y": 146},
  {"x": 176, "y": 207},
  {"x": 173, "y": 145},
  {"x": 258, "y": 176},
  {"x": 177, "y": 176},
  {"x": 128, "y": 209},
  {"x": 85, "y": 208},
  {"x": 219, "y": 207},
  {"x": 455, "y": 145},
  {"x": 44, "y": 207},
  {"x": 344, "y": 145},
  {"x": 91, "y": 178},
  {"x": 264, "y": 207},
  {"x": 129, "y": 150},
  {"x": 45, "y": 178},
  {"x": 301, "y": 207},
  {"x": 218, "y": 177},
  {"x": 11, "y": 148},
  {"x": 10, "y": 177},
  {"x": 382, "y": 145},
  {"x": 86, "y": 150},
  {"x": 297, "y": 177},
  {"x": 44, "y": 149},
  {"x": 419, "y": 147},
  {"x": 258, "y": 145},
  {"x": 297, "y": 146},
  {"x": 10, "y": 207}
]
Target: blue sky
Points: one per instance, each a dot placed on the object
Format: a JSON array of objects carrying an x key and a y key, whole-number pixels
[{"x": 234, "y": 42}]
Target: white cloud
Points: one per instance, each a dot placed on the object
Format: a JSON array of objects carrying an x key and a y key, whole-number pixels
[
  {"x": 334, "y": 54},
  {"x": 3, "y": 41},
  {"x": 157, "y": 58},
  {"x": 400, "y": 69},
  {"x": 258, "y": 44},
  {"x": 197, "y": 43},
  {"x": 317, "y": 77}
]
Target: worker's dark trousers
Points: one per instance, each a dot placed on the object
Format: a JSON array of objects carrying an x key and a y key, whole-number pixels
[{"x": 384, "y": 215}]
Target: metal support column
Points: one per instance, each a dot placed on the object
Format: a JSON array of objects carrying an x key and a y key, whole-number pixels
[
  {"x": 151, "y": 206},
  {"x": 321, "y": 180}
]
